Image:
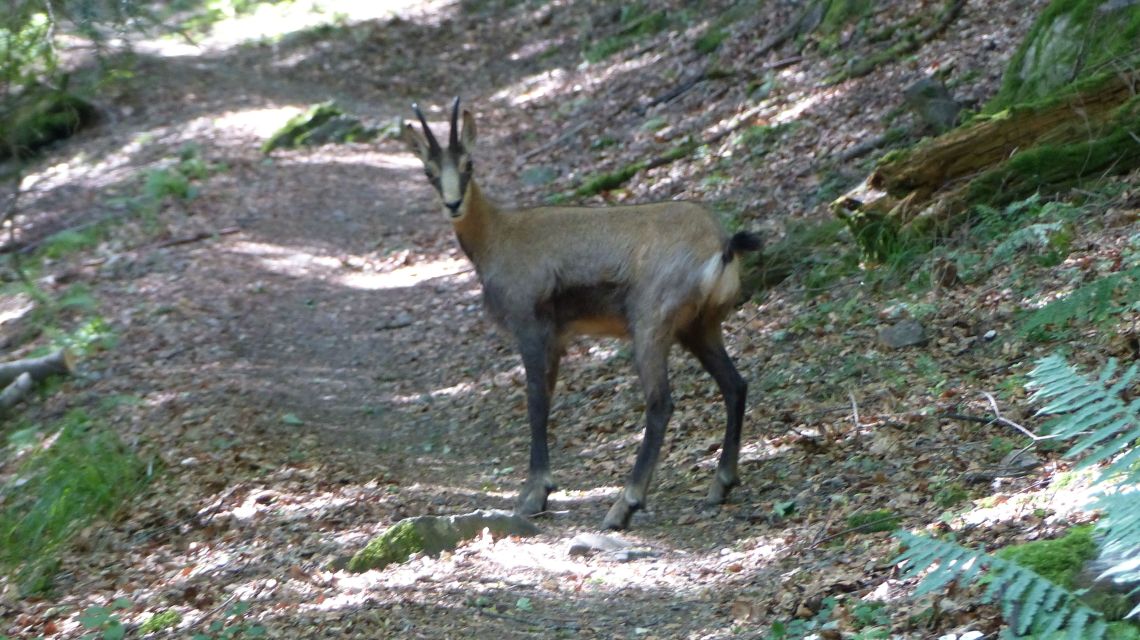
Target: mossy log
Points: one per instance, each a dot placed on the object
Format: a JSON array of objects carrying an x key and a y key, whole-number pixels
[
  {"x": 57, "y": 363},
  {"x": 1048, "y": 146},
  {"x": 39, "y": 116}
]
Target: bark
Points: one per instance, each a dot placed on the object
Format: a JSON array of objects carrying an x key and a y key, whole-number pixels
[
  {"x": 60, "y": 362},
  {"x": 1044, "y": 147},
  {"x": 15, "y": 392}
]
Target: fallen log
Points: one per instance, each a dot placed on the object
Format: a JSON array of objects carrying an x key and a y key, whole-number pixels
[
  {"x": 1046, "y": 147},
  {"x": 59, "y": 362},
  {"x": 15, "y": 392}
]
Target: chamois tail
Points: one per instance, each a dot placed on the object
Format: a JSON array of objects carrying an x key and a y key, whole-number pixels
[
  {"x": 741, "y": 242},
  {"x": 720, "y": 276}
]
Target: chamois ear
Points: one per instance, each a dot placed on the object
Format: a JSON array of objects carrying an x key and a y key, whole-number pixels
[
  {"x": 468, "y": 130},
  {"x": 415, "y": 141}
]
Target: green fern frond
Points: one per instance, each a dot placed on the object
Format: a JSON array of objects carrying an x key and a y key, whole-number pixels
[
  {"x": 1032, "y": 604},
  {"x": 1092, "y": 411},
  {"x": 1095, "y": 302}
]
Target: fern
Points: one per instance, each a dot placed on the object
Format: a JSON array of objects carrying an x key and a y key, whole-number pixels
[
  {"x": 1105, "y": 430},
  {"x": 1095, "y": 302},
  {"x": 1029, "y": 602},
  {"x": 1091, "y": 411}
]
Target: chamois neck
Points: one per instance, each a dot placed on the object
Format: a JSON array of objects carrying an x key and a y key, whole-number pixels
[{"x": 473, "y": 229}]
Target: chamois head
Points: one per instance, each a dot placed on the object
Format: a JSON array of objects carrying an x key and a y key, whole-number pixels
[{"x": 448, "y": 170}]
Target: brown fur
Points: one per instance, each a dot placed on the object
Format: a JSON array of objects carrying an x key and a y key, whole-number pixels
[{"x": 658, "y": 273}]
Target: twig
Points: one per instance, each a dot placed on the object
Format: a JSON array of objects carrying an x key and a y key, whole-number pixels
[
  {"x": 566, "y": 135},
  {"x": 1010, "y": 423},
  {"x": 863, "y": 148},
  {"x": 848, "y": 530},
  {"x": 201, "y": 235},
  {"x": 676, "y": 91},
  {"x": 854, "y": 410},
  {"x": 568, "y": 625}
]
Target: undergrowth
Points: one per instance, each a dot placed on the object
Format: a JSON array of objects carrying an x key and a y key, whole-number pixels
[{"x": 65, "y": 475}]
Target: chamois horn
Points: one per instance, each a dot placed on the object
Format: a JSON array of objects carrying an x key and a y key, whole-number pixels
[
  {"x": 427, "y": 130},
  {"x": 453, "y": 141}
]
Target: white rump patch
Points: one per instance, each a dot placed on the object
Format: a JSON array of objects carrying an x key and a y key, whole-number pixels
[{"x": 720, "y": 282}]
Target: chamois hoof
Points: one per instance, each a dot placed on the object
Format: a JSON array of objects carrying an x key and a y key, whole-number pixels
[
  {"x": 620, "y": 514},
  {"x": 532, "y": 498},
  {"x": 719, "y": 490}
]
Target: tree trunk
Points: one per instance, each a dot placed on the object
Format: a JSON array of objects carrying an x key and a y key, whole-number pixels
[
  {"x": 59, "y": 362},
  {"x": 1067, "y": 112},
  {"x": 1046, "y": 147}
]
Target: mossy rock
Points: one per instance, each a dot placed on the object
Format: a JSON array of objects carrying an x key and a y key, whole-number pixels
[
  {"x": 40, "y": 116},
  {"x": 433, "y": 534},
  {"x": 1060, "y": 560},
  {"x": 1070, "y": 39},
  {"x": 321, "y": 124}
]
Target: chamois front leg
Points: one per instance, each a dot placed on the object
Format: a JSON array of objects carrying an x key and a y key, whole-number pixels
[
  {"x": 540, "y": 359},
  {"x": 652, "y": 369},
  {"x": 708, "y": 346}
]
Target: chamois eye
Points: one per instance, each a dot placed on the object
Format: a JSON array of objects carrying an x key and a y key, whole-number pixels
[{"x": 468, "y": 166}]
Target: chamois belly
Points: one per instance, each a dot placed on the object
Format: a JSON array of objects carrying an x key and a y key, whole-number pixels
[{"x": 595, "y": 310}]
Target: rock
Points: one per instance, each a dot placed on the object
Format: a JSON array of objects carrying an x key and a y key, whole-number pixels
[
  {"x": 616, "y": 549},
  {"x": 587, "y": 543},
  {"x": 433, "y": 534},
  {"x": 322, "y": 124},
  {"x": 906, "y": 333},
  {"x": 932, "y": 103},
  {"x": 399, "y": 322},
  {"x": 538, "y": 175}
]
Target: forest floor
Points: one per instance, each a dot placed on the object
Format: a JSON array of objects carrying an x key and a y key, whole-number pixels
[{"x": 307, "y": 361}]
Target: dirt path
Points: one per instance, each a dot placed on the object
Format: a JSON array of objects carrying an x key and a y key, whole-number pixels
[{"x": 328, "y": 370}]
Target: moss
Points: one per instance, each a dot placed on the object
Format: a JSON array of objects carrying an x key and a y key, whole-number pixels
[
  {"x": 873, "y": 521},
  {"x": 710, "y": 40},
  {"x": 320, "y": 124},
  {"x": 1070, "y": 38},
  {"x": 1059, "y": 560},
  {"x": 635, "y": 23},
  {"x": 607, "y": 181},
  {"x": 393, "y": 546},
  {"x": 162, "y": 620},
  {"x": 41, "y": 116},
  {"x": 1053, "y": 167},
  {"x": 842, "y": 12}
]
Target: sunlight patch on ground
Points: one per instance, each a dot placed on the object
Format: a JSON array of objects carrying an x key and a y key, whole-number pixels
[
  {"x": 16, "y": 306},
  {"x": 542, "y": 568},
  {"x": 296, "y": 262},
  {"x": 271, "y": 21},
  {"x": 1068, "y": 497},
  {"x": 447, "y": 392},
  {"x": 259, "y": 123},
  {"x": 798, "y": 107},
  {"x": 533, "y": 88}
]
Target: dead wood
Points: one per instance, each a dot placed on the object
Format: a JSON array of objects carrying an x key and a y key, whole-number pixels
[
  {"x": 926, "y": 188},
  {"x": 197, "y": 237},
  {"x": 15, "y": 392},
  {"x": 60, "y": 362}
]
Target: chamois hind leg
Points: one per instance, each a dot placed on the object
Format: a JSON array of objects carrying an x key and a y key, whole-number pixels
[
  {"x": 652, "y": 368},
  {"x": 540, "y": 356},
  {"x": 707, "y": 344}
]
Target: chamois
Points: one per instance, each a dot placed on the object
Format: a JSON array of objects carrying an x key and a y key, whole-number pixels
[{"x": 659, "y": 274}]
